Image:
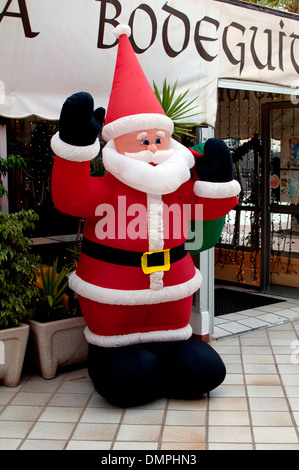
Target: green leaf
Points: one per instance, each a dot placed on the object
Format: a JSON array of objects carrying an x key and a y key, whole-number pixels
[{"x": 177, "y": 108}]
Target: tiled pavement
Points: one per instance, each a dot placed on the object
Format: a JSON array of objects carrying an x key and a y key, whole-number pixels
[
  {"x": 255, "y": 318},
  {"x": 257, "y": 406}
]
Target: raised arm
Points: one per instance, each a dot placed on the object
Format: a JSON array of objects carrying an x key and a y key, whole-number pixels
[{"x": 75, "y": 145}]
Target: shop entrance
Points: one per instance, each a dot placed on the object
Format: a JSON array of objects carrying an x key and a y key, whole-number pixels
[
  {"x": 280, "y": 198},
  {"x": 259, "y": 247}
]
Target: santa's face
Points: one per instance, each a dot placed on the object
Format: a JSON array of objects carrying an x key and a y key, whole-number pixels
[
  {"x": 149, "y": 161},
  {"x": 151, "y": 146}
]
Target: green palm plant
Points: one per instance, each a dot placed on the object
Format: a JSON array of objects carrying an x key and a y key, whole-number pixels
[
  {"x": 290, "y": 5},
  {"x": 178, "y": 109},
  {"x": 53, "y": 287}
]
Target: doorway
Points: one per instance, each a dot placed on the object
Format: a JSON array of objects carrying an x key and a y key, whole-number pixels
[
  {"x": 258, "y": 250},
  {"x": 259, "y": 246},
  {"x": 280, "y": 199}
]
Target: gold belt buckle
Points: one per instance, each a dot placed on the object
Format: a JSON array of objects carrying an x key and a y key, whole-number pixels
[{"x": 152, "y": 269}]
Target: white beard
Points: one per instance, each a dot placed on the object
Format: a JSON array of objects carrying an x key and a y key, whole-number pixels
[{"x": 164, "y": 178}]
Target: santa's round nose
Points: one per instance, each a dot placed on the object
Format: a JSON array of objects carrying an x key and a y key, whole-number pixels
[{"x": 152, "y": 148}]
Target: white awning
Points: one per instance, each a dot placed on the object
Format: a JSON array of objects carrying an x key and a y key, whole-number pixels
[{"x": 51, "y": 49}]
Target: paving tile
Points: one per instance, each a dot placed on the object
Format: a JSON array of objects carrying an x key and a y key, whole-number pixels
[
  {"x": 60, "y": 414},
  {"x": 258, "y": 358},
  {"x": 27, "y": 398},
  {"x": 132, "y": 416},
  {"x": 234, "y": 327},
  {"x": 259, "y": 350},
  {"x": 271, "y": 418},
  {"x": 253, "y": 322},
  {"x": 277, "y": 446},
  {"x": 273, "y": 434},
  {"x": 9, "y": 444},
  {"x": 199, "y": 404},
  {"x": 6, "y": 395},
  {"x": 69, "y": 399},
  {"x": 271, "y": 317},
  {"x": 294, "y": 402},
  {"x": 14, "y": 429},
  {"x": 224, "y": 403},
  {"x": 231, "y": 358},
  {"x": 94, "y": 432},
  {"x": 292, "y": 391},
  {"x": 185, "y": 418},
  {"x": 184, "y": 434},
  {"x": 231, "y": 434},
  {"x": 288, "y": 313},
  {"x": 182, "y": 446},
  {"x": 48, "y": 430},
  {"x": 101, "y": 415},
  {"x": 229, "y": 446},
  {"x": 228, "y": 391},
  {"x": 88, "y": 445},
  {"x": 289, "y": 369},
  {"x": 38, "y": 384},
  {"x": 265, "y": 391},
  {"x": 129, "y": 432},
  {"x": 21, "y": 413},
  {"x": 43, "y": 444},
  {"x": 135, "y": 446},
  {"x": 250, "y": 340},
  {"x": 228, "y": 418},
  {"x": 264, "y": 369},
  {"x": 76, "y": 387},
  {"x": 233, "y": 378},
  {"x": 296, "y": 417},
  {"x": 262, "y": 379},
  {"x": 264, "y": 404}
]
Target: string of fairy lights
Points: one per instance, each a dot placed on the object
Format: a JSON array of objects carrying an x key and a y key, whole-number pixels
[{"x": 239, "y": 123}]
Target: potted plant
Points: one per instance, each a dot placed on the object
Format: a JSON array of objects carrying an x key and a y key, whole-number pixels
[
  {"x": 18, "y": 289},
  {"x": 57, "y": 328}
]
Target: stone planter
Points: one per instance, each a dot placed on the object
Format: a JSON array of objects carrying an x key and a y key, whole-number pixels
[
  {"x": 13, "y": 343},
  {"x": 57, "y": 344}
]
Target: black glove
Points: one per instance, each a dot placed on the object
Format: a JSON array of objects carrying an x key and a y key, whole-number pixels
[
  {"x": 79, "y": 124},
  {"x": 216, "y": 164}
]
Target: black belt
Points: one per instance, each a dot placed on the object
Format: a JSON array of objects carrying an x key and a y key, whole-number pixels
[{"x": 149, "y": 261}]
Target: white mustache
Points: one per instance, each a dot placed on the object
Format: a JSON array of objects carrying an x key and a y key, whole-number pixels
[{"x": 149, "y": 157}]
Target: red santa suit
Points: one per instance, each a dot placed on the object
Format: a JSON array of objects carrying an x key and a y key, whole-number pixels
[{"x": 135, "y": 279}]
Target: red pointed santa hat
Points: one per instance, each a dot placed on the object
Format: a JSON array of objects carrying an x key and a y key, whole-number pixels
[{"x": 133, "y": 105}]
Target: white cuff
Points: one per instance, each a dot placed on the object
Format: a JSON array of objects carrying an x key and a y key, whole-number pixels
[
  {"x": 216, "y": 190},
  {"x": 72, "y": 152}
]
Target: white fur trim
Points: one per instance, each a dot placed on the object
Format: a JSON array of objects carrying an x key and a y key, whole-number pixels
[
  {"x": 217, "y": 190},
  {"x": 72, "y": 152},
  {"x": 156, "y": 280},
  {"x": 122, "y": 29},
  {"x": 155, "y": 222},
  {"x": 134, "y": 297},
  {"x": 155, "y": 234},
  {"x": 137, "y": 338},
  {"x": 136, "y": 122},
  {"x": 164, "y": 178}
]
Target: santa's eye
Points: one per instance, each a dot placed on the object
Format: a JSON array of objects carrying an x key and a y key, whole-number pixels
[
  {"x": 157, "y": 141},
  {"x": 145, "y": 142}
]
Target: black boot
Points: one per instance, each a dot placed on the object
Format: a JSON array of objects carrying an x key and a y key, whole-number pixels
[{"x": 124, "y": 376}]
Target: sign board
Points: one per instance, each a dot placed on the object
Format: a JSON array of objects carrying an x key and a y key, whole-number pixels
[{"x": 53, "y": 48}]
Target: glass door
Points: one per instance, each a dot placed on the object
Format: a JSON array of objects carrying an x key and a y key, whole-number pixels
[{"x": 280, "y": 197}]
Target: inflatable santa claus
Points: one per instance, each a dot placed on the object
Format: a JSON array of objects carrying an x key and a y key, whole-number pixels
[{"x": 135, "y": 279}]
